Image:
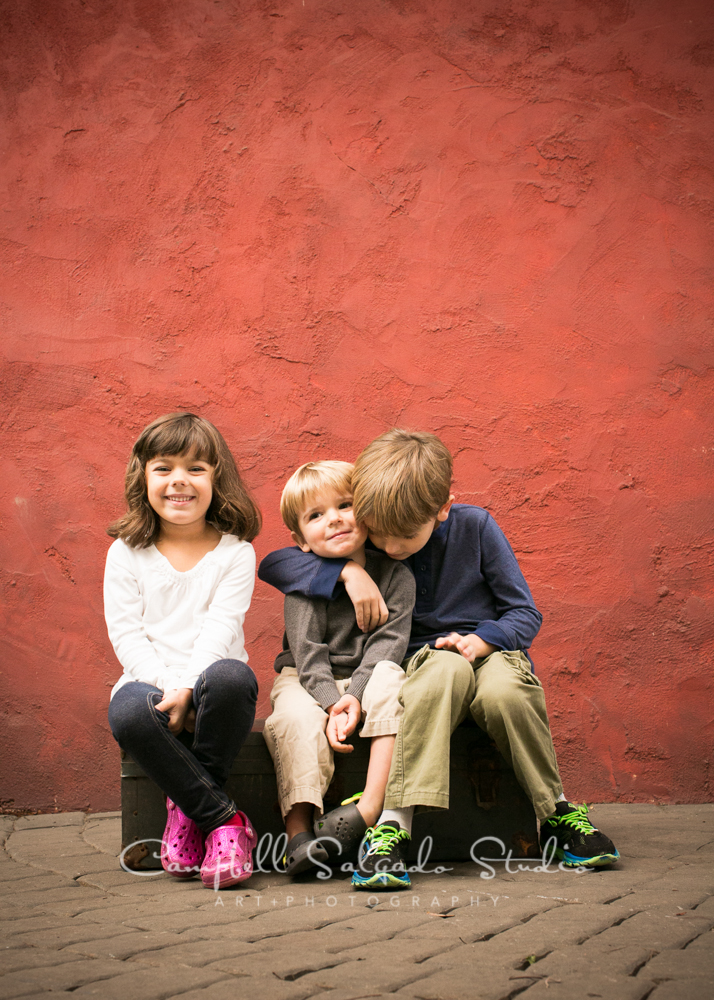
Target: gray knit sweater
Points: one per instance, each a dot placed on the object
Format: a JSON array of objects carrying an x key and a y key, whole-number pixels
[{"x": 323, "y": 642}]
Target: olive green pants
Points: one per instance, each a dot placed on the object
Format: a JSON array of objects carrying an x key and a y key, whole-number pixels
[{"x": 504, "y": 697}]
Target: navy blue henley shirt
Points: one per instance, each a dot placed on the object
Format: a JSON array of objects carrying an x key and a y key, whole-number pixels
[{"x": 467, "y": 581}]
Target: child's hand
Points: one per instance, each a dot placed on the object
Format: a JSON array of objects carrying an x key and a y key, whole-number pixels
[
  {"x": 344, "y": 716},
  {"x": 471, "y": 647},
  {"x": 178, "y": 702},
  {"x": 370, "y": 609}
]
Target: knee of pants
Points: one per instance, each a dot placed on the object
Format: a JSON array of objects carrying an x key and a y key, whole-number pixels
[
  {"x": 503, "y": 692},
  {"x": 381, "y": 695},
  {"x": 302, "y": 724},
  {"x": 295, "y": 726},
  {"x": 232, "y": 678},
  {"x": 504, "y": 700},
  {"x": 131, "y": 712},
  {"x": 452, "y": 669},
  {"x": 444, "y": 677}
]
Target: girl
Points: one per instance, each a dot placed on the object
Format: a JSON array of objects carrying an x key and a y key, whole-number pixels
[{"x": 178, "y": 582}]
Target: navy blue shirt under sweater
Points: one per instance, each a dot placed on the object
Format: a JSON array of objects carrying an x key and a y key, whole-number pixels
[{"x": 467, "y": 581}]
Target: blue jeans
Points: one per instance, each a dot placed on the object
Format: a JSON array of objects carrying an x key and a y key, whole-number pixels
[{"x": 191, "y": 768}]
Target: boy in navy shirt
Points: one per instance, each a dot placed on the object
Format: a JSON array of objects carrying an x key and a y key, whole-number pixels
[{"x": 473, "y": 621}]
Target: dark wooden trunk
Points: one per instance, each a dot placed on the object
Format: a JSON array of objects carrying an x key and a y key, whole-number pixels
[{"x": 486, "y": 801}]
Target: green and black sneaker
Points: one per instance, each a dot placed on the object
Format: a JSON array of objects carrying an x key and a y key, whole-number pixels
[
  {"x": 579, "y": 843},
  {"x": 382, "y": 863}
]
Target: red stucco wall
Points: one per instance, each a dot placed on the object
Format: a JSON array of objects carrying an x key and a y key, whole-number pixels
[{"x": 310, "y": 221}]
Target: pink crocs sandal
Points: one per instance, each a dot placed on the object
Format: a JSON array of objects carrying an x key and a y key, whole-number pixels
[
  {"x": 183, "y": 847},
  {"x": 229, "y": 853}
]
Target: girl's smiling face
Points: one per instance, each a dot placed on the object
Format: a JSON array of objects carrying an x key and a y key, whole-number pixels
[{"x": 179, "y": 488}]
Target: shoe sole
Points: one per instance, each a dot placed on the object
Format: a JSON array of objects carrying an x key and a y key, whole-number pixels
[
  {"x": 225, "y": 881},
  {"x": 180, "y": 874},
  {"x": 599, "y": 861},
  {"x": 383, "y": 880},
  {"x": 306, "y": 856}
]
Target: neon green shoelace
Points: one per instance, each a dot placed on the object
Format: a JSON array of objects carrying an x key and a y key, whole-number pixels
[
  {"x": 577, "y": 819},
  {"x": 385, "y": 837}
]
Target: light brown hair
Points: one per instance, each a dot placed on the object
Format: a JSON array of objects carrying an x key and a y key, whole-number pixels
[
  {"x": 307, "y": 482},
  {"x": 232, "y": 509},
  {"x": 400, "y": 481}
]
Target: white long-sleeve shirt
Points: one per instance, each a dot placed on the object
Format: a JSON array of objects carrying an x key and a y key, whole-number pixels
[{"x": 166, "y": 627}]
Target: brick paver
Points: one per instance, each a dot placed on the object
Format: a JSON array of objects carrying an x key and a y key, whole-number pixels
[
  {"x": 692, "y": 963},
  {"x": 683, "y": 989},
  {"x": 609, "y": 987},
  {"x": 73, "y": 923},
  {"x": 67, "y": 976}
]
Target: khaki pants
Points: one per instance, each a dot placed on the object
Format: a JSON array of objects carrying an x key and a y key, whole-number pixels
[
  {"x": 295, "y": 731},
  {"x": 504, "y": 697}
]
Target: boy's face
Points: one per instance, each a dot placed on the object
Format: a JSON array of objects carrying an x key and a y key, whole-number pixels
[
  {"x": 328, "y": 527},
  {"x": 400, "y": 547}
]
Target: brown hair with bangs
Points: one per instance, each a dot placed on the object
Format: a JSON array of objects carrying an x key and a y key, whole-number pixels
[
  {"x": 400, "y": 481},
  {"x": 232, "y": 509}
]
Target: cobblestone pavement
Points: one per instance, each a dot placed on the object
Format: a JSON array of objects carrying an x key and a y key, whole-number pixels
[{"x": 74, "y": 923}]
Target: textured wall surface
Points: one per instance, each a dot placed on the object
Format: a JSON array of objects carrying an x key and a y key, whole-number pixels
[{"x": 310, "y": 220}]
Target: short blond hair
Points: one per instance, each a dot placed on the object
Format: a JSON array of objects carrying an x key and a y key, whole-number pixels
[
  {"x": 308, "y": 482},
  {"x": 401, "y": 481}
]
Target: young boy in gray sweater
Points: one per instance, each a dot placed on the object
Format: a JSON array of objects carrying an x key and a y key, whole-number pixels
[{"x": 332, "y": 675}]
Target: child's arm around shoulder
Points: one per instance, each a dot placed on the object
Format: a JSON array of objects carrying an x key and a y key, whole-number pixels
[
  {"x": 390, "y": 640},
  {"x": 123, "y": 610},
  {"x": 291, "y": 570}
]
